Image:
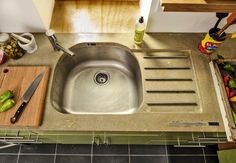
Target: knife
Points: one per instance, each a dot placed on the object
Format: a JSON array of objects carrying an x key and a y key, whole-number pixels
[{"x": 26, "y": 97}]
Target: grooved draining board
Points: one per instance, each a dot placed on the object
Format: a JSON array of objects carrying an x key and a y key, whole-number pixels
[
  {"x": 18, "y": 79},
  {"x": 170, "y": 81}
]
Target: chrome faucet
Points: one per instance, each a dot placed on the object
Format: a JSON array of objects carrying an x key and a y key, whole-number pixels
[{"x": 56, "y": 44}]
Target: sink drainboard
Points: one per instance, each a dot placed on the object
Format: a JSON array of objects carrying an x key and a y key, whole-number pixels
[{"x": 170, "y": 81}]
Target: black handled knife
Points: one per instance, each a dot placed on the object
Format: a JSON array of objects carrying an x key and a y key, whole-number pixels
[{"x": 26, "y": 97}]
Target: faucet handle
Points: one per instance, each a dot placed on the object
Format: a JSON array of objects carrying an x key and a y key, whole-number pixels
[
  {"x": 52, "y": 38},
  {"x": 55, "y": 44},
  {"x": 50, "y": 32}
]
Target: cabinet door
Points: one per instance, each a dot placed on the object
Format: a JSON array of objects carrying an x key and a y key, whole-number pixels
[
  {"x": 174, "y": 138},
  {"x": 64, "y": 137},
  {"x": 137, "y": 138},
  {"x": 19, "y": 136},
  {"x": 75, "y": 139}
]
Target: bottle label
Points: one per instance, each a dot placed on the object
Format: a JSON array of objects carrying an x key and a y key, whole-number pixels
[{"x": 138, "y": 37}]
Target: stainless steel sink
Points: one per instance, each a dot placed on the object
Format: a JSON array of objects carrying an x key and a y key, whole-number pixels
[{"x": 101, "y": 78}]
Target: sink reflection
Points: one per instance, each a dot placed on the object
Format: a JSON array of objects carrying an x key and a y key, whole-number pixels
[{"x": 101, "y": 78}]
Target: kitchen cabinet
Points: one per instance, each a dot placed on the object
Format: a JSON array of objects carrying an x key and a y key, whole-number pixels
[
  {"x": 175, "y": 138},
  {"x": 10, "y": 138},
  {"x": 64, "y": 137},
  {"x": 25, "y": 15},
  {"x": 182, "y": 21},
  {"x": 199, "y": 5},
  {"x": 107, "y": 138}
]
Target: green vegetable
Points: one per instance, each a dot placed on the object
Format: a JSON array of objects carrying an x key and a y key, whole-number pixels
[
  {"x": 7, "y": 105},
  {"x": 220, "y": 56},
  {"x": 232, "y": 84},
  {"x": 234, "y": 117},
  {"x": 229, "y": 67},
  {"x": 6, "y": 95}
]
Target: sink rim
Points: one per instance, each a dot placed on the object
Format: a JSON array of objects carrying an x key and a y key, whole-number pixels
[{"x": 141, "y": 90}]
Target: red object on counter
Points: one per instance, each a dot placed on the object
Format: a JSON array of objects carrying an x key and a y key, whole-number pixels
[
  {"x": 232, "y": 18},
  {"x": 227, "y": 91},
  {"x": 2, "y": 56},
  {"x": 226, "y": 80},
  {"x": 232, "y": 93}
]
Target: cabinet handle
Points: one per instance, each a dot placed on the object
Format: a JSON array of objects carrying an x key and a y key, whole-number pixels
[
  {"x": 213, "y": 139},
  {"x": 11, "y": 137},
  {"x": 192, "y": 146},
  {"x": 188, "y": 145},
  {"x": 96, "y": 140},
  {"x": 18, "y": 140},
  {"x": 107, "y": 141},
  {"x": 8, "y": 144}
]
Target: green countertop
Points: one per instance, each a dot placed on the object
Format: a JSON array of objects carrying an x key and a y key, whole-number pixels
[{"x": 146, "y": 120}]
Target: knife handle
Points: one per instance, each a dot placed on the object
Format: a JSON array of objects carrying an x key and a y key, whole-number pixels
[{"x": 18, "y": 113}]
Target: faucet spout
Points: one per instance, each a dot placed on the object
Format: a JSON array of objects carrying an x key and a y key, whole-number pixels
[
  {"x": 56, "y": 44},
  {"x": 67, "y": 51}
]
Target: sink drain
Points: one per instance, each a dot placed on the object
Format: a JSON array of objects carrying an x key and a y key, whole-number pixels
[{"x": 101, "y": 78}]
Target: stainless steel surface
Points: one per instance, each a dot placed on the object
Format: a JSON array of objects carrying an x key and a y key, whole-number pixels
[
  {"x": 102, "y": 78},
  {"x": 31, "y": 89},
  {"x": 55, "y": 43}
]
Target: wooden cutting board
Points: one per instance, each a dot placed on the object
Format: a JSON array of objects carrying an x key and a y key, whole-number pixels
[{"x": 18, "y": 79}]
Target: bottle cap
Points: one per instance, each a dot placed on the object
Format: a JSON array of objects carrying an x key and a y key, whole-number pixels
[
  {"x": 4, "y": 37},
  {"x": 141, "y": 20}
]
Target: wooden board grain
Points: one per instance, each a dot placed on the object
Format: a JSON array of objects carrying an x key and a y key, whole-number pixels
[
  {"x": 96, "y": 16},
  {"x": 18, "y": 79},
  {"x": 199, "y": 5}
]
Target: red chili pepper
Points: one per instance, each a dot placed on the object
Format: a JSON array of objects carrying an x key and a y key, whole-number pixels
[
  {"x": 232, "y": 93},
  {"x": 227, "y": 91},
  {"x": 226, "y": 80}
]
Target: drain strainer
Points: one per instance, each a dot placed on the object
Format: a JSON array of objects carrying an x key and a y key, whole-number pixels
[{"x": 101, "y": 78}]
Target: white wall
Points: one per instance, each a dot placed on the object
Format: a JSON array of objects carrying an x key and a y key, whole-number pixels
[
  {"x": 35, "y": 16},
  {"x": 24, "y": 15},
  {"x": 45, "y": 10},
  {"x": 145, "y": 6},
  {"x": 185, "y": 22}
]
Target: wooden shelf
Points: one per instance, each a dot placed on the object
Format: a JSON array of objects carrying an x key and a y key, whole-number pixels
[
  {"x": 94, "y": 16},
  {"x": 199, "y": 5}
]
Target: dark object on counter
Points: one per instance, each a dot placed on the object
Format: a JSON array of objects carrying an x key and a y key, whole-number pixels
[
  {"x": 220, "y": 16},
  {"x": 211, "y": 41},
  {"x": 26, "y": 97},
  {"x": 233, "y": 106},
  {"x": 10, "y": 46},
  {"x": 213, "y": 32}
]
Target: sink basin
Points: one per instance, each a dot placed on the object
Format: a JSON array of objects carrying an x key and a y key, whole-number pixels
[{"x": 101, "y": 78}]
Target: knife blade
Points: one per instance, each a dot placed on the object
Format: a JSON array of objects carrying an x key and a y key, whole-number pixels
[{"x": 26, "y": 97}]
